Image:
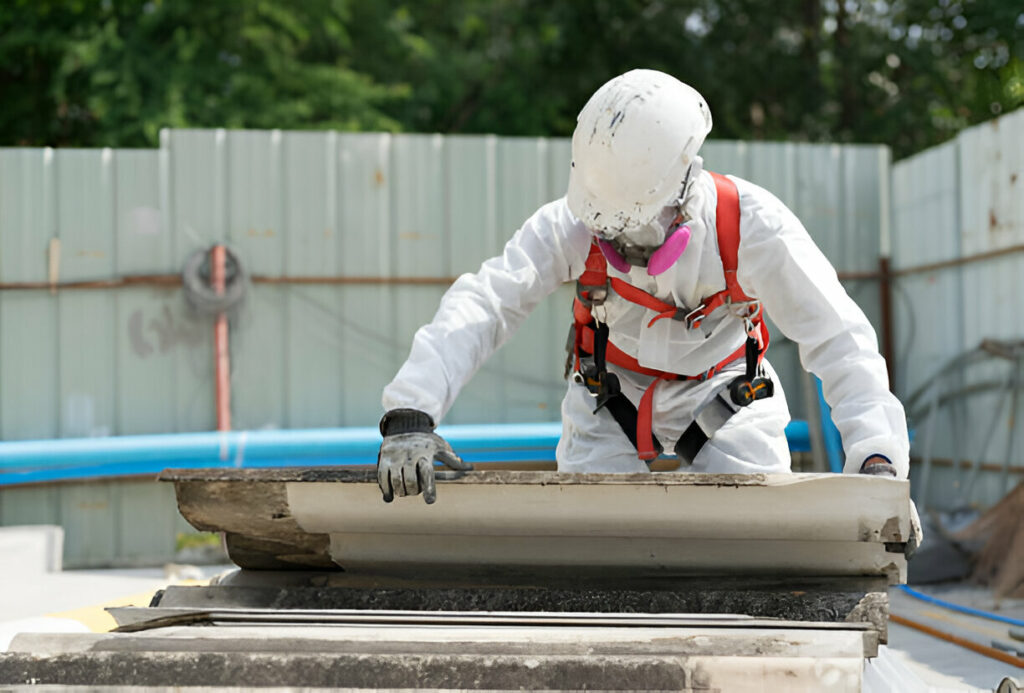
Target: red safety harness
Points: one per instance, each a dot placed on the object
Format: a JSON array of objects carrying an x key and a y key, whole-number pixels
[{"x": 590, "y": 336}]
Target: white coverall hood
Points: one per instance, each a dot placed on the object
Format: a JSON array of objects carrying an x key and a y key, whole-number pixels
[{"x": 633, "y": 147}]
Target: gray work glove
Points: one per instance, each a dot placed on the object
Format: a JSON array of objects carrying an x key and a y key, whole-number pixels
[{"x": 405, "y": 464}]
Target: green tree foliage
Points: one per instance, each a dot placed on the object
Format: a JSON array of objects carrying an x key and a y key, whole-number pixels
[
  {"x": 909, "y": 73},
  {"x": 79, "y": 72}
]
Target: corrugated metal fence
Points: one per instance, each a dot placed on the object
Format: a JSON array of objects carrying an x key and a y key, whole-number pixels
[
  {"x": 958, "y": 256},
  {"x": 377, "y": 209}
]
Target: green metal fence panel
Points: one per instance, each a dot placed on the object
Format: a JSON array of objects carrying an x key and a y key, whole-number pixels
[
  {"x": 29, "y": 402},
  {"x": 85, "y": 228},
  {"x": 88, "y": 513},
  {"x": 146, "y": 331},
  {"x": 194, "y": 170},
  {"x": 313, "y": 331},
  {"x": 30, "y": 505},
  {"x": 146, "y": 520},
  {"x": 954, "y": 202},
  {"x": 256, "y": 230}
]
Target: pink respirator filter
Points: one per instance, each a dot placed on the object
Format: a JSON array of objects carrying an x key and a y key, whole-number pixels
[{"x": 662, "y": 258}]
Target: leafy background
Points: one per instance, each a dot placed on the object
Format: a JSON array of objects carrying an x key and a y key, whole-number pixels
[{"x": 908, "y": 73}]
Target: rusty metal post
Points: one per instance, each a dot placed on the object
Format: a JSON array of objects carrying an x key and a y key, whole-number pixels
[{"x": 222, "y": 364}]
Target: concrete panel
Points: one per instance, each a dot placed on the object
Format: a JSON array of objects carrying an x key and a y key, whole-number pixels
[
  {"x": 702, "y": 657},
  {"x": 490, "y": 521},
  {"x": 666, "y": 521}
]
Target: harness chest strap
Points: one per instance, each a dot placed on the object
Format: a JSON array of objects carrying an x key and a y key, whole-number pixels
[{"x": 594, "y": 283}]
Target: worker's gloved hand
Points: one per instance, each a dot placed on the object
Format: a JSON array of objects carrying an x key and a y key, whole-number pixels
[
  {"x": 405, "y": 464},
  {"x": 876, "y": 465}
]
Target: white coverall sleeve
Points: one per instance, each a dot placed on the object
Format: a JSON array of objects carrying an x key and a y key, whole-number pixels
[
  {"x": 798, "y": 287},
  {"x": 481, "y": 311}
]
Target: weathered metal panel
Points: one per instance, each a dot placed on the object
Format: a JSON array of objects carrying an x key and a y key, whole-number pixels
[
  {"x": 29, "y": 505},
  {"x": 144, "y": 542},
  {"x": 926, "y": 230},
  {"x": 88, "y": 513},
  {"x": 193, "y": 176},
  {"x": 259, "y": 188},
  {"x": 955, "y": 201},
  {"x": 530, "y": 363},
  {"x": 147, "y": 331},
  {"x": 313, "y": 333},
  {"x": 369, "y": 353},
  {"x": 29, "y": 404},
  {"x": 85, "y": 221}
]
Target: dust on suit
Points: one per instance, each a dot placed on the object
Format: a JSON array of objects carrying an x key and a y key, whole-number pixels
[{"x": 778, "y": 264}]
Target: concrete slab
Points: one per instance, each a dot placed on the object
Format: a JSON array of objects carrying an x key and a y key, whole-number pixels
[
  {"x": 773, "y": 657},
  {"x": 665, "y": 523}
]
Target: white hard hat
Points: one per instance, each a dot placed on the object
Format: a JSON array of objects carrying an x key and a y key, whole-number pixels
[{"x": 634, "y": 142}]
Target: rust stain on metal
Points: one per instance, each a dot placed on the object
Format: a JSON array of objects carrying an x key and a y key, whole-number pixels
[
  {"x": 378, "y": 177},
  {"x": 410, "y": 236},
  {"x": 1013, "y": 178},
  {"x": 993, "y": 222}
]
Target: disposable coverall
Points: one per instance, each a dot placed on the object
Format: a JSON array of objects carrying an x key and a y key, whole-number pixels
[{"x": 778, "y": 264}]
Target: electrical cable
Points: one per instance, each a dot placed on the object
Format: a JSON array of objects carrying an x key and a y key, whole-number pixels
[{"x": 962, "y": 609}]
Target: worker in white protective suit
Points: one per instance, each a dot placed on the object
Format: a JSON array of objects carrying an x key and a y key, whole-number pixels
[{"x": 675, "y": 268}]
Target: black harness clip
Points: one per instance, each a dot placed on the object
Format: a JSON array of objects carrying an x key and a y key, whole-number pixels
[
  {"x": 744, "y": 392},
  {"x": 746, "y": 389}
]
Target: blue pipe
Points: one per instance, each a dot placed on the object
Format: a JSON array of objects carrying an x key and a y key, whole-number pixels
[
  {"x": 962, "y": 609},
  {"x": 78, "y": 458},
  {"x": 829, "y": 433}
]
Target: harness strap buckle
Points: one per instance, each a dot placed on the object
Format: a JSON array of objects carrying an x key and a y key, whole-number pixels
[
  {"x": 592, "y": 295},
  {"x": 694, "y": 318}
]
